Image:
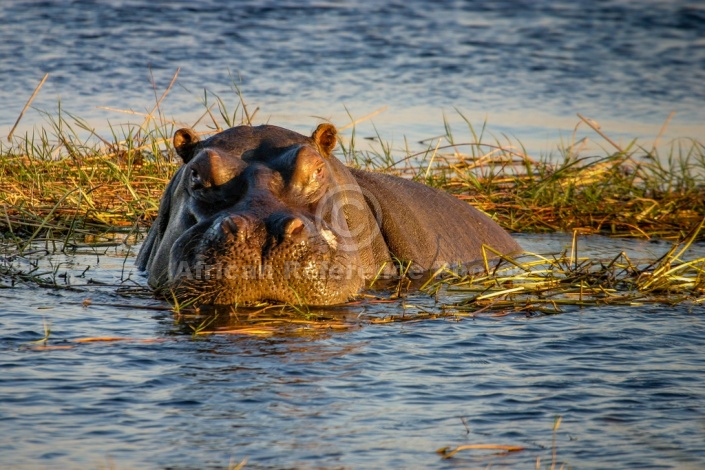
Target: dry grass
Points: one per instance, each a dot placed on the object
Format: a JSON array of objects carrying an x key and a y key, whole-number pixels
[
  {"x": 536, "y": 284},
  {"x": 66, "y": 177},
  {"x": 630, "y": 192},
  {"x": 67, "y": 184}
]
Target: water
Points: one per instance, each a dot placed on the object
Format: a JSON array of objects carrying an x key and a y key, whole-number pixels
[
  {"x": 628, "y": 382},
  {"x": 525, "y": 67}
]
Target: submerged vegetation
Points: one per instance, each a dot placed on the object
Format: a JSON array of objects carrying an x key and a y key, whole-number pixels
[{"x": 68, "y": 183}]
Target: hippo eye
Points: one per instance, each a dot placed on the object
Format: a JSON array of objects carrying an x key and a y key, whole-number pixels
[{"x": 196, "y": 182}]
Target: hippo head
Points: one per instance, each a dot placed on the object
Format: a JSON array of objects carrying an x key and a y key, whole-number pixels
[{"x": 256, "y": 213}]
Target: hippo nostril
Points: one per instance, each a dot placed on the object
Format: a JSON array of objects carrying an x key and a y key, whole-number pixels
[
  {"x": 236, "y": 227},
  {"x": 294, "y": 227}
]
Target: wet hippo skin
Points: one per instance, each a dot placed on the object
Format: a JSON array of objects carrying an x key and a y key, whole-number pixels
[{"x": 267, "y": 214}]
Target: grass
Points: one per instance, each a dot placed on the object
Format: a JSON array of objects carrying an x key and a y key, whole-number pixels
[
  {"x": 537, "y": 284},
  {"x": 61, "y": 183},
  {"x": 67, "y": 185},
  {"x": 627, "y": 192},
  {"x": 66, "y": 177}
]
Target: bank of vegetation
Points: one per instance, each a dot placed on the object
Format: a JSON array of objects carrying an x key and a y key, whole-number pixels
[
  {"x": 67, "y": 182},
  {"x": 66, "y": 177}
]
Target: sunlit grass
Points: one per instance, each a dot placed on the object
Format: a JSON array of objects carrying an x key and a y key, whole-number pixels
[
  {"x": 631, "y": 191},
  {"x": 66, "y": 185},
  {"x": 533, "y": 283}
]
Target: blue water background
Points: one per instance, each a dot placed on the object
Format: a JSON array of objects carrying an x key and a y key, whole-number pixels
[
  {"x": 526, "y": 68},
  {"x": 628, "y": 382}
]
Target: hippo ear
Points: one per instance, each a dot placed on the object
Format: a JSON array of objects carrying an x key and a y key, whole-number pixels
[
  {"x": 325, "y": 136},
  {"x": 185, "y": 141}
]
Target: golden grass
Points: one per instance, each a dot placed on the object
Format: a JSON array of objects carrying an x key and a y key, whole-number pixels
[
  {"x": 533, "y": 283},
  {"x": 68, "y": 184},
  {"x": 630, "y": 192},
  {"x": 67, "y": 177}
]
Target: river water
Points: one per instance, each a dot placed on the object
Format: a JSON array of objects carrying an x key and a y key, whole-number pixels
[
  {"x": 526, "y": 68},
  {"x": 627, "y": 382}
]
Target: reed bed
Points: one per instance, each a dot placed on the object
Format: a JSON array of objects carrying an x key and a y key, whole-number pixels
[
  {"x": 632, "y": 191},
  {"x": 65, "y": 184},
  {"x": 59, "y": 183},
  {"x": 537, "y": 284},
  {"x": 67, "y": 177}
]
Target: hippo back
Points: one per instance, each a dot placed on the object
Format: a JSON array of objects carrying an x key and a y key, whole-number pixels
[{"x": 430, "y": 227}]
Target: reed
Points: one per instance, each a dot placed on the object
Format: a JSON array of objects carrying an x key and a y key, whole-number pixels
[
  {"x": 534, "y": 284},
  {"x": 631, "y": 192},
  {"x": 67, "y": 185},
  {"x": 67, "y": 177}
]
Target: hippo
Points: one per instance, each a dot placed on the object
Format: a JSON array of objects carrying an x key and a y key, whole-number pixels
[{"x": 265, "y": 214}]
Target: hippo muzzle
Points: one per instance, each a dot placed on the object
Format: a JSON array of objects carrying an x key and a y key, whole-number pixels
[{"x": 273, "y": 244}]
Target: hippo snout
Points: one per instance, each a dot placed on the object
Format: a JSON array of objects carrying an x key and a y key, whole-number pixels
[
  {"x": 243, "y": 258},
  {"x": 236, "y": 227},
  {"x": 275, "y": 230},
  {"x": 294, "y": 228}
]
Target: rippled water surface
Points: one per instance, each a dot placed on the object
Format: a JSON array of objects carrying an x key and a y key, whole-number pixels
[
  {"x": 628, "y": 382},
  {"x": 526, "y": 67}
]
